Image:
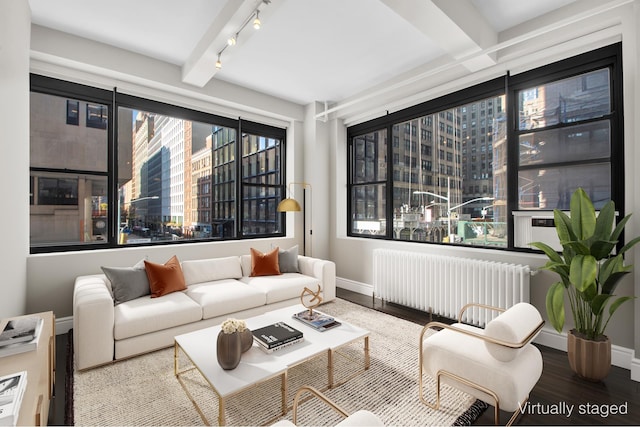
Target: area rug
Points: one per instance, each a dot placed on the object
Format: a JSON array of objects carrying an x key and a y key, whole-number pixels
[{"x": 144, "y": 391}]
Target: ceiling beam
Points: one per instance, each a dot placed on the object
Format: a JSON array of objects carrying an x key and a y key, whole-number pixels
[
  {"x": 456, "y": 26},
  {"x": 200, "y": 66}
]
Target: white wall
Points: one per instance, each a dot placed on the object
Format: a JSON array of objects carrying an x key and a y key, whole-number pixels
[
  {"x": 15, "y": 26},
  {"x": 353, "y": 256}
]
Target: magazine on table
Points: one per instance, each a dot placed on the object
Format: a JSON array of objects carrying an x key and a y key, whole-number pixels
[
  {"x": 276, "y": 335},
  {"x": 20, "y": 335},
  {"x": 317, "y": 320},
  {"x": 12, "y": 389}
]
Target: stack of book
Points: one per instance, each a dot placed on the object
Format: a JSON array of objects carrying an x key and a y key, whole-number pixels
[
  {"x": 317, "y": 320},
  {"x": 12, "y": 389},
  {"x": 276, "y": 336},
  {"x": 20, "y": 335}
]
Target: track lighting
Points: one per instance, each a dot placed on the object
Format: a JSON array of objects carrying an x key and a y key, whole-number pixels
[{"x": 233, "y": 40}]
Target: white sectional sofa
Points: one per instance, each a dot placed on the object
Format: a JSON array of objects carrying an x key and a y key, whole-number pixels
[{"x": 216, "y": 288}]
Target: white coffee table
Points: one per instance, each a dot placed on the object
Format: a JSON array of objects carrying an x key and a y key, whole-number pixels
[{"x": 256, "y": 365}]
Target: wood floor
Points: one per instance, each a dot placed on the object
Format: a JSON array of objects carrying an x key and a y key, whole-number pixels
[{"x": 558, "y": 387}]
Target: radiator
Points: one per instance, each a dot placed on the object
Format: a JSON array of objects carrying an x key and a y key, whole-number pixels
[{"x": 442, "y": 285}]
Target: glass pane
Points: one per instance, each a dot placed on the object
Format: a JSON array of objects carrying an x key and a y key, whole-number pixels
[
  {"x": 551, "y": 188},
  {"x": 449, "y": 175},
  {"x": 573, "y": 143},
  {"x": 370, "y": 153},
  {"x": 368, "y": 207},
  {"x": 581, "y": 97},
  {"x": 68, "y": 134},
  {"x": 168, "y": 172},
  {"x": 261, "y": 185},
  {"x": 68, "y": 209},
  {"x": 259, "y": 210}
]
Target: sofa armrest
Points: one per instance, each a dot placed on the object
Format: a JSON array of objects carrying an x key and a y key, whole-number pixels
[
  {"x": 93, "y": 320},
  {"x": 323, "y": 270}
]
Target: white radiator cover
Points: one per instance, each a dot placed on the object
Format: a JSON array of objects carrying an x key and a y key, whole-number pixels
[{"x": 444, "y": 284}]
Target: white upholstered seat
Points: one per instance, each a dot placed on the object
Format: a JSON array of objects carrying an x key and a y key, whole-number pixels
[{"x": 498, "y": 364}]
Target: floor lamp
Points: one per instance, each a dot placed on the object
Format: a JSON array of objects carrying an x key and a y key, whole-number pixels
[{"x": 291, "y": 205}]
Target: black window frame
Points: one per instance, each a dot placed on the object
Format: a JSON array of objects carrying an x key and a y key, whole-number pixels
[
  {"x": 608, "y": 56},
  {"x": 113, "y": 100}
]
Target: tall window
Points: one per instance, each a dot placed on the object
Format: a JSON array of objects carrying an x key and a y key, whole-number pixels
[
  {"x": 68, "y": 168},
  {"x": 564, "y": 140},
  {"x": 173, "y": 177},
  {"x": 462, "y": 169}
]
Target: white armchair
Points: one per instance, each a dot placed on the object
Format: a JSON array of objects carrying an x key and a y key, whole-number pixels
[
  {"x": 497, "y": 364},
  {"x": 358, "y": 418}
]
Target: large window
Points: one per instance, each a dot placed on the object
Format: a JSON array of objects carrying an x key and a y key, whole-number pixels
[
  {"x": 173, "y": 177},
  {"x": 455, "y": 169}
]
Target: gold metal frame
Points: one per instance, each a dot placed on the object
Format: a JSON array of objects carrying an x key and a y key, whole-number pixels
[
  {"x": 465, "y": 381},
  {"x": 317, "y": 393},
  {"x": 283, "y": 380}
]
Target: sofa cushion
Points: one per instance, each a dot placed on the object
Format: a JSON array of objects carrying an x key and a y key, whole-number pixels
[
  {"x": 283, "y": 287},
  {"x": 207, "y": 270},
  {"x": 288, "y": 260},
  {"x": 165, "y": 279},
  {"x": 264, "y": 264},
  {"x": 127, "y": 283},
  {"x": 145, "y": 315},
  {"x": 224, "y": 297}
]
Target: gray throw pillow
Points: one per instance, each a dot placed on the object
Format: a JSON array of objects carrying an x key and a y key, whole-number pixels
[
  {"x": 288, "y": 260},
  {"x": 127, "y": 283}
]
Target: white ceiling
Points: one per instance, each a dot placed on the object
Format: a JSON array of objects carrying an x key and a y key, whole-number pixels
[{"x": 306, "y": 50}]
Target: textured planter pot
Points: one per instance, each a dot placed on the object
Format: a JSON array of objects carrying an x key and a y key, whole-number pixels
[
  {"x": 246, "y": 338},
  {"x": 229, "y": 350},
  {"x": 589, "y": 359}
]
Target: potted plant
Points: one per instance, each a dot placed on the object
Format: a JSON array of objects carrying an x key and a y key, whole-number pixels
[{"x": 589, "y": 274}]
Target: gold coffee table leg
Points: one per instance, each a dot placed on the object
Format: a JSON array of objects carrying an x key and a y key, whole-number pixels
[
  {"x": 330, "y": 368},
  {"x": 221, "y": 419},
  {"x": 283, "y": 388},
  {"x": 367, "y": 360}
]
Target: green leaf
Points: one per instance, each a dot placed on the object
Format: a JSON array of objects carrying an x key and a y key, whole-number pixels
[
  {"x": 579, "y": 247},
  {"x": 601, "y": 249},
  {"x": 555, "y": 305},
  {"x": 551, "y": 253},
  {"x": 563, "y": 227},
  {"x": 611, "y": 282},
  {"x": 583, "y": 271},
  {"x": 583, "y": 215},
  {"x": 604, "y": 221},
  {"x": 617, "y": 303},
  {"x": 629, "y": 245},
  {"x": 615, "y": 235},
  {"x": 598, "y": 304}
]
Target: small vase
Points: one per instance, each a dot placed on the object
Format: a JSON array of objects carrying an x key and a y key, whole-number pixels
[
  {"x": 229, "y": 350},
  {"x": 246, "y": 338}
]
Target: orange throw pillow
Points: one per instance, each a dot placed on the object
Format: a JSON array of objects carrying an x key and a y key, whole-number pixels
[
  {"x": 165, "y": 279},
  {"x": 264, "y": 264}
]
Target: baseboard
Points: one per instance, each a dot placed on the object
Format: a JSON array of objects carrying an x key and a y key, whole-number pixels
[
  {"x": 353, "y": 286},
  {"x": 635, "y": 369},
  {"x": 64, "y": 325}
]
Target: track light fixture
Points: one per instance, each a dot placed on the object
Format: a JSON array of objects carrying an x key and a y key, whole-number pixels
[{"x": 231, "y": 41}]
